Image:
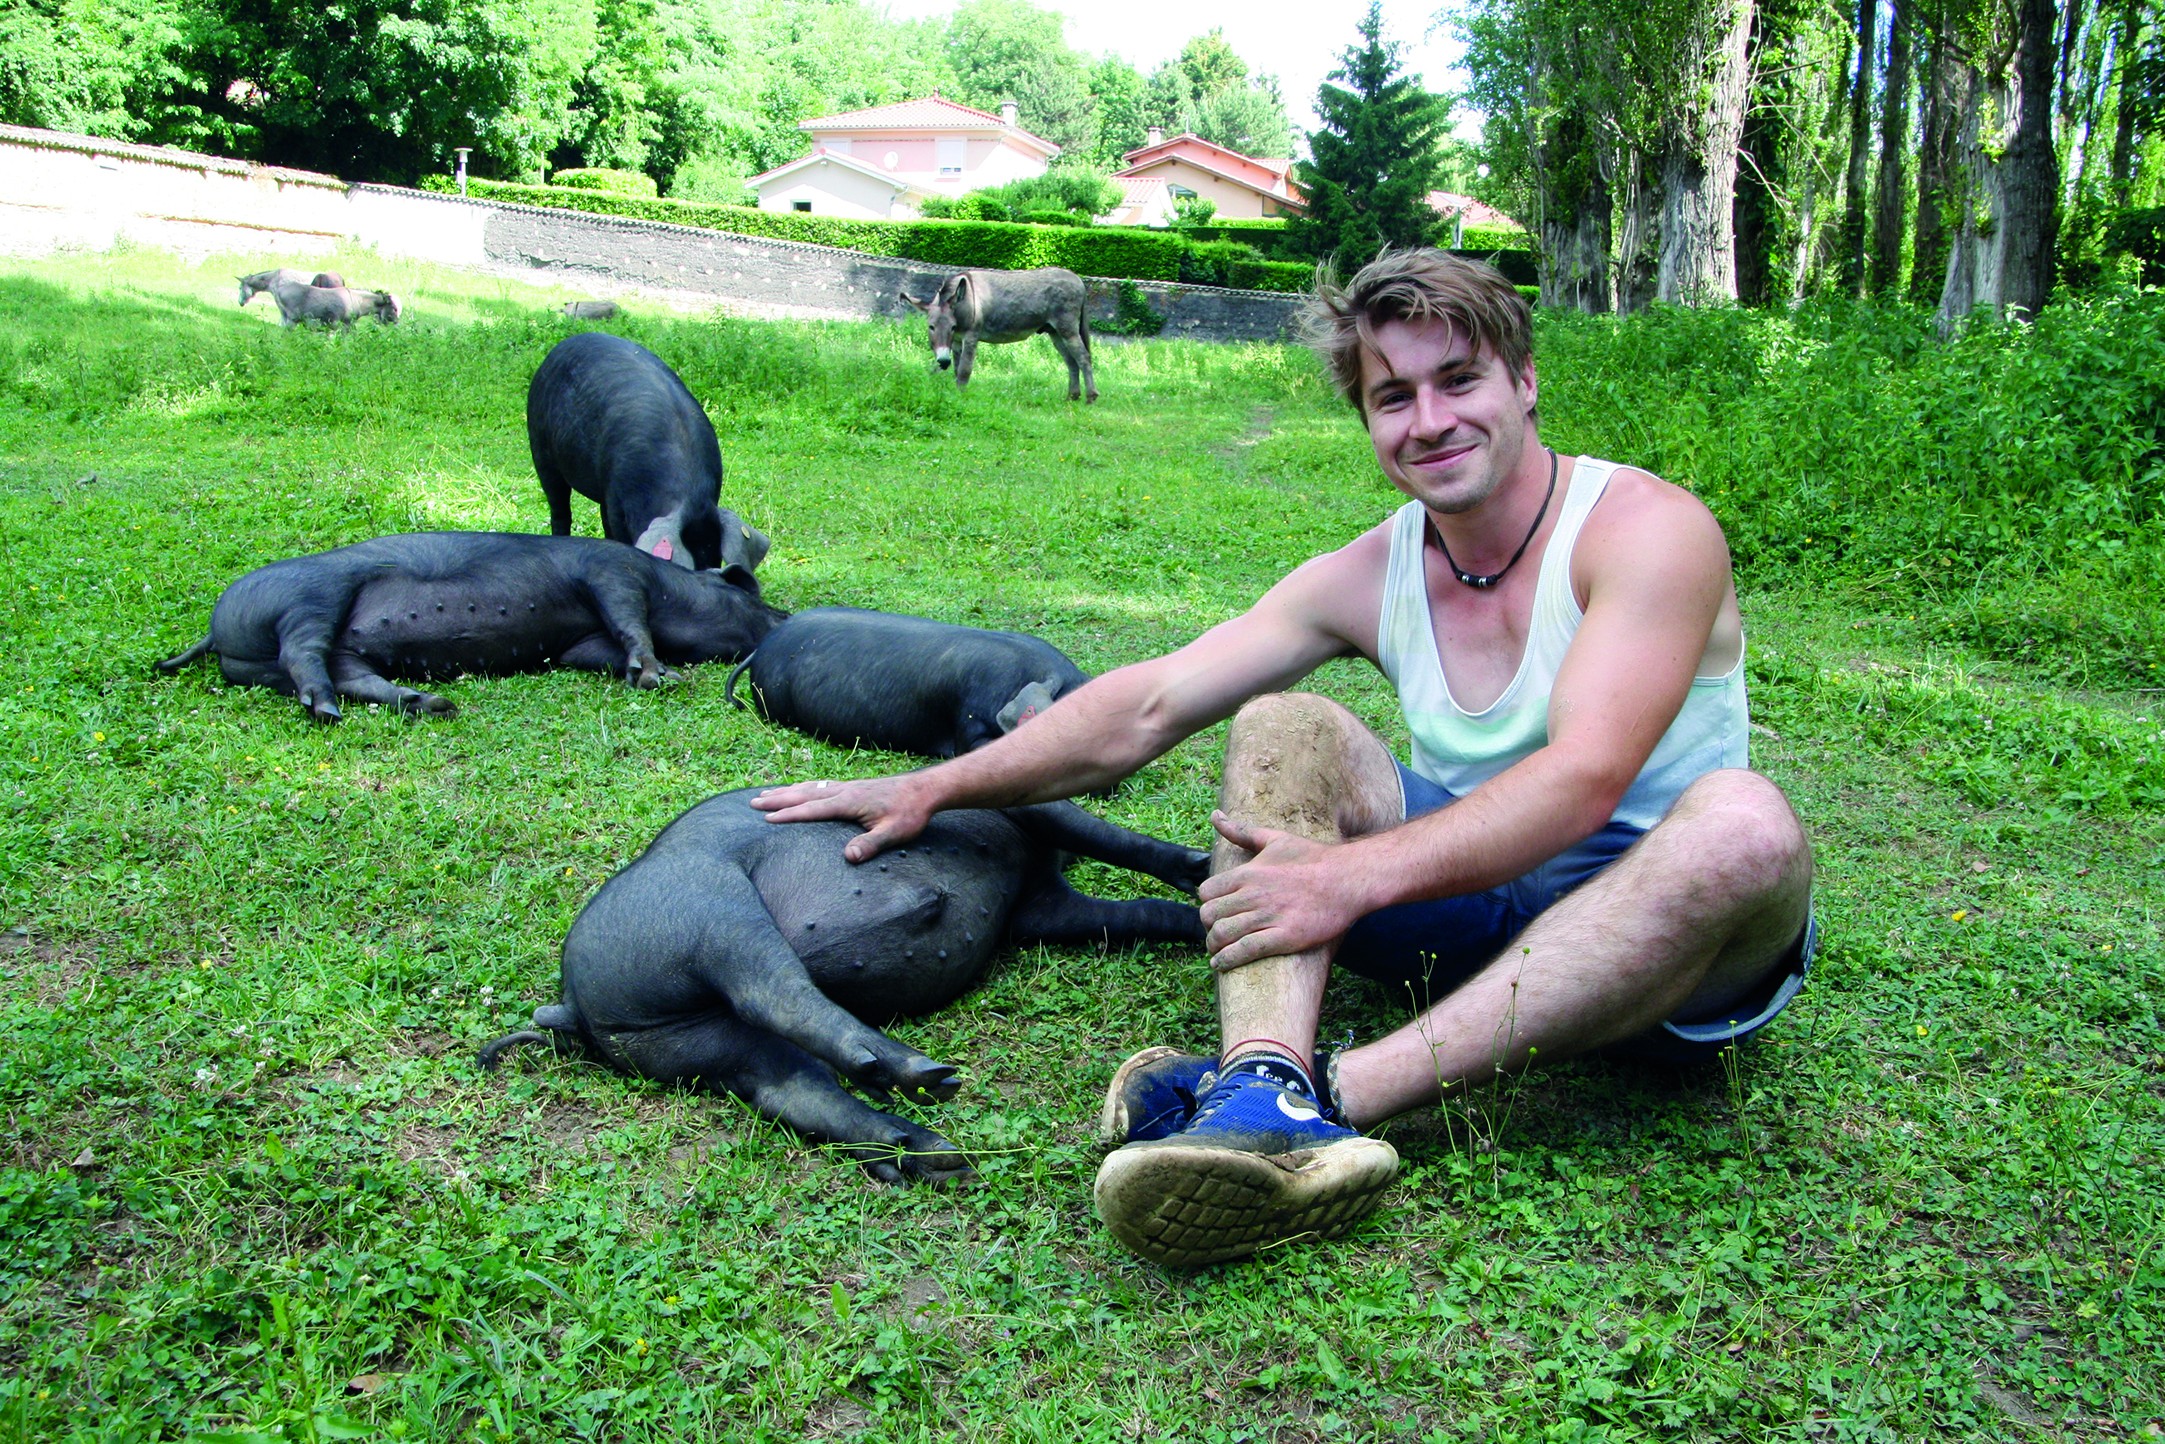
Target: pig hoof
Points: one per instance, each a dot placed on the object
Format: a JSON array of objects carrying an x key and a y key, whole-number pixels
[
  {"x": 911, "y": 1154},
  {"x": 927, "y": 1082},
  {"x": 413, "y": 704}
]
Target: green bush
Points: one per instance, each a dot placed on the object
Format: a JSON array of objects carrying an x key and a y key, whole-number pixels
[
  {"x": 1495, "y": 238},
  {"x": 602, "y": 178},
  {"x": 2140, "y": 233},
  {"x": 1241, "y": 266},
  {"x": 1113, "y": 251},
  {"x": 1053, "y": 218},
  {"x": 2017, "y": 447}
]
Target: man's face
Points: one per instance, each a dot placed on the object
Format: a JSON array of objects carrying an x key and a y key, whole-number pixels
[{"x": 1448, "y": 422}]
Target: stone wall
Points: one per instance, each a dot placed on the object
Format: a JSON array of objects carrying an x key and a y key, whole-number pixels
[{"x": 78, "y": 191}]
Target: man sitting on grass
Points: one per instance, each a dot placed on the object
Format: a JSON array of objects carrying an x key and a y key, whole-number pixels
[{"x": 1575, "y": 860}]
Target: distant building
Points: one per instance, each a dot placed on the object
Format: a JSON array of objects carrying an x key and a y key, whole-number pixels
[
  {"x": 882, "y": 163},
  {"x": 1465, "y": 211},
  {"x": 1243, "y": 187},
  {"x": 1144, "y": 201}
]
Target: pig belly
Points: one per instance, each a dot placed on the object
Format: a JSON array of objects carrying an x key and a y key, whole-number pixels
[
  {"x": 901, "y": 935},
  {"x": 460, "y": 627}
]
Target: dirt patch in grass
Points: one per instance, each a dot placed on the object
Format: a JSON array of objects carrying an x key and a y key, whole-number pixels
[{"x": 51, "y": 973}]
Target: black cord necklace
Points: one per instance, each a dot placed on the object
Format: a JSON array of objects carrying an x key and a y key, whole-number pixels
[{"x": 1484, "y": 583}]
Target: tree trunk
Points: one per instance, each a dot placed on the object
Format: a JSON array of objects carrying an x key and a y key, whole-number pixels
[
  {"x": 1575, "y": 250},
  {"x": 1759, "y": 175},
  {"x": 2006, "y": 209},
  {"x": 1935, "y": 162},
  {"x": 1635, "y": 235},
  {"x": 1698, "y": 236},
  {"x": 2029, "y": 213},
  {"x": 2123, "y": 133},
  {"x": 1860, "y": 153},
  {"x": 1977, "y": 111},
  {"x": 1886, "y": 271}
]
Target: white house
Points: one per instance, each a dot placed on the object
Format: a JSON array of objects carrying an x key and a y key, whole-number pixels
[{"x": 879, "y": 164}]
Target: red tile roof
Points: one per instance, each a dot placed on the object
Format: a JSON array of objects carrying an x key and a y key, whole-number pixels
[
  {"x": 1476, "y": 212},
  {"x": 931, "y": 112}
]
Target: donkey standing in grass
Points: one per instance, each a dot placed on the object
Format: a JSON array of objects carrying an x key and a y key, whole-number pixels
[
  {"x": 331, "y": 305},
  {"x": 1001, "y": 306},
  {"x": 261, "y": 281}
]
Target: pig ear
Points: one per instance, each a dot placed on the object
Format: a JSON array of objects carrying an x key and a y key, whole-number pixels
[
  {"x": 1031, "y": 700},
  {"x": 739, "y": 577}
]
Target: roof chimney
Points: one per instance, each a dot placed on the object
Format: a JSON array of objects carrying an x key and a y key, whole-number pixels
[
  {"x": 1157, "y": 135},
  {"x": 1009, "y": 112}
]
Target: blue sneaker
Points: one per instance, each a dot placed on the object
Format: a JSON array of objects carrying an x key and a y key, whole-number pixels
[
  {"x": 1153, "y": 1095},
  {"x": 1257, "y": 1165}
]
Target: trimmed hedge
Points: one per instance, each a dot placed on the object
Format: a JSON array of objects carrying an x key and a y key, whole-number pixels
[
  {"x": 602, "y": 178},
  {"x": 1241, "y": 266},
  {"x": 1495, "y": 238},
  {"x": 1115, "y": 251}
]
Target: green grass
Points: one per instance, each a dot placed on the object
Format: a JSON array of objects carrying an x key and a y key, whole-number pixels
[{"x": 253, "y": 1187}]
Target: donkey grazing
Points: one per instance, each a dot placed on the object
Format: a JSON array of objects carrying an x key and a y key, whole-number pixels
[
  {"x": 1001, "y": 306},
  {"x": 331, "y": 305}
]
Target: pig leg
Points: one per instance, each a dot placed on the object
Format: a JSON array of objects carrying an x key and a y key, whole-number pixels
[
  {"x": 1056, "y": 913},
  {"x": 783, "y": 1082},
  {"x": 622, "y": 605},
  {"x": 743, "y": 957},
  {"x": 558, "y": 491},
  {"x": 304, "y": 648},
  {"x": 1067, "y": 828},
  {"x": 356, "y": 679}
]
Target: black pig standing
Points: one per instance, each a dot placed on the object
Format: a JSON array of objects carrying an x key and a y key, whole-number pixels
[
  {"x": 607, "y": 418},
  {"x": 442, "y": 604},
  {"x": 903, "y": 683},
  {"x": 739, "y": 955}
]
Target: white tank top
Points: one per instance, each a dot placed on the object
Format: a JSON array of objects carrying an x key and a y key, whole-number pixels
[{"x": 1460, "y": 749}]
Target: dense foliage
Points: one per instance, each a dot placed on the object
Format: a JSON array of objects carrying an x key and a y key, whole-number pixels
[
  {"x": 1964, "y": 153},
  {"x": 696, "y": 94},
  {"x": 253, "y": 1187}
]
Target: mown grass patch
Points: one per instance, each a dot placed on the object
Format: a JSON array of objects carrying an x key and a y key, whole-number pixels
[{"x": 253, "y": 1186}]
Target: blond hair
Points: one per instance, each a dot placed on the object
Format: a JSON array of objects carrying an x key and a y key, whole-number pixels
[{"x": 1421, "y": 284}]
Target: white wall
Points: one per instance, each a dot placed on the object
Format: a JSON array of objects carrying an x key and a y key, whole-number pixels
[
  {"x": 833, "y": 190},
  {"x": 59, "y": 190}
]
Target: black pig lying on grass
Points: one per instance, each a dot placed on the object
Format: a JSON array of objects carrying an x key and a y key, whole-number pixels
[
  {"x": 739, "y": 955},
  {"x": 906, "y": 684},
  {"x": 443, "y": 604}
]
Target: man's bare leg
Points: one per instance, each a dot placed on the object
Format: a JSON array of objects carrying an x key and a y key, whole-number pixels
[
  {"x": 1301, "y": 764},
  {"x": 1258, "y": 1164},
  {"x": 1685, "y": 922}
]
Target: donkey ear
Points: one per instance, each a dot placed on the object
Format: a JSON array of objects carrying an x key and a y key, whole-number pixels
[{"x": 923, "y": 305}]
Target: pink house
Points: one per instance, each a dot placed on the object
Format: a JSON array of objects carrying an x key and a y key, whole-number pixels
[
  {"x": 1244, "y": 187},
  {"x": 879, "y": 164}
]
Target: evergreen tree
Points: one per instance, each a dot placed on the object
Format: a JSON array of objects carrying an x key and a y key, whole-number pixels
[{"x": 1376, "y": 158}]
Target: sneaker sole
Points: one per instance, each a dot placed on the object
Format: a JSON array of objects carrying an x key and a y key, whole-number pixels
[
  {"x": 1113, "y": 1121},
  {"x": 1185, "y": 1204}
]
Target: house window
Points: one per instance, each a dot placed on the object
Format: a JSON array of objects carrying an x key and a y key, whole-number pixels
[
  {"x": 800, "y": 205},
  {"x": 949, "y": 153},
  {"x": 1181, "y": 193}
]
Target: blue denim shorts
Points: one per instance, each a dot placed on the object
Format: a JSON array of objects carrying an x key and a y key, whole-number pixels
[{"x": 1429, "y": 948}]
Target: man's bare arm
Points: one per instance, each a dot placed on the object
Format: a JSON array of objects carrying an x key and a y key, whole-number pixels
[
  {"x": 1645, "y": 629},
  {"x": 1115, "y": 724}
]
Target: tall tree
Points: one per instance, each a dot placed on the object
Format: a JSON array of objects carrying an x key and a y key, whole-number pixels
[
  {"x": 1375, "y": 159},
  {"x": 1856, "y": 195},
  {"x": 1003, "y": 50},
  {"x": 1118, "y": 92},
  {"x": 1890, "y": 195},
  {"x": 2006, "y": 189},
  {"x": 1698, "y": 181},
  {"x": 1937, "y": 125}
]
